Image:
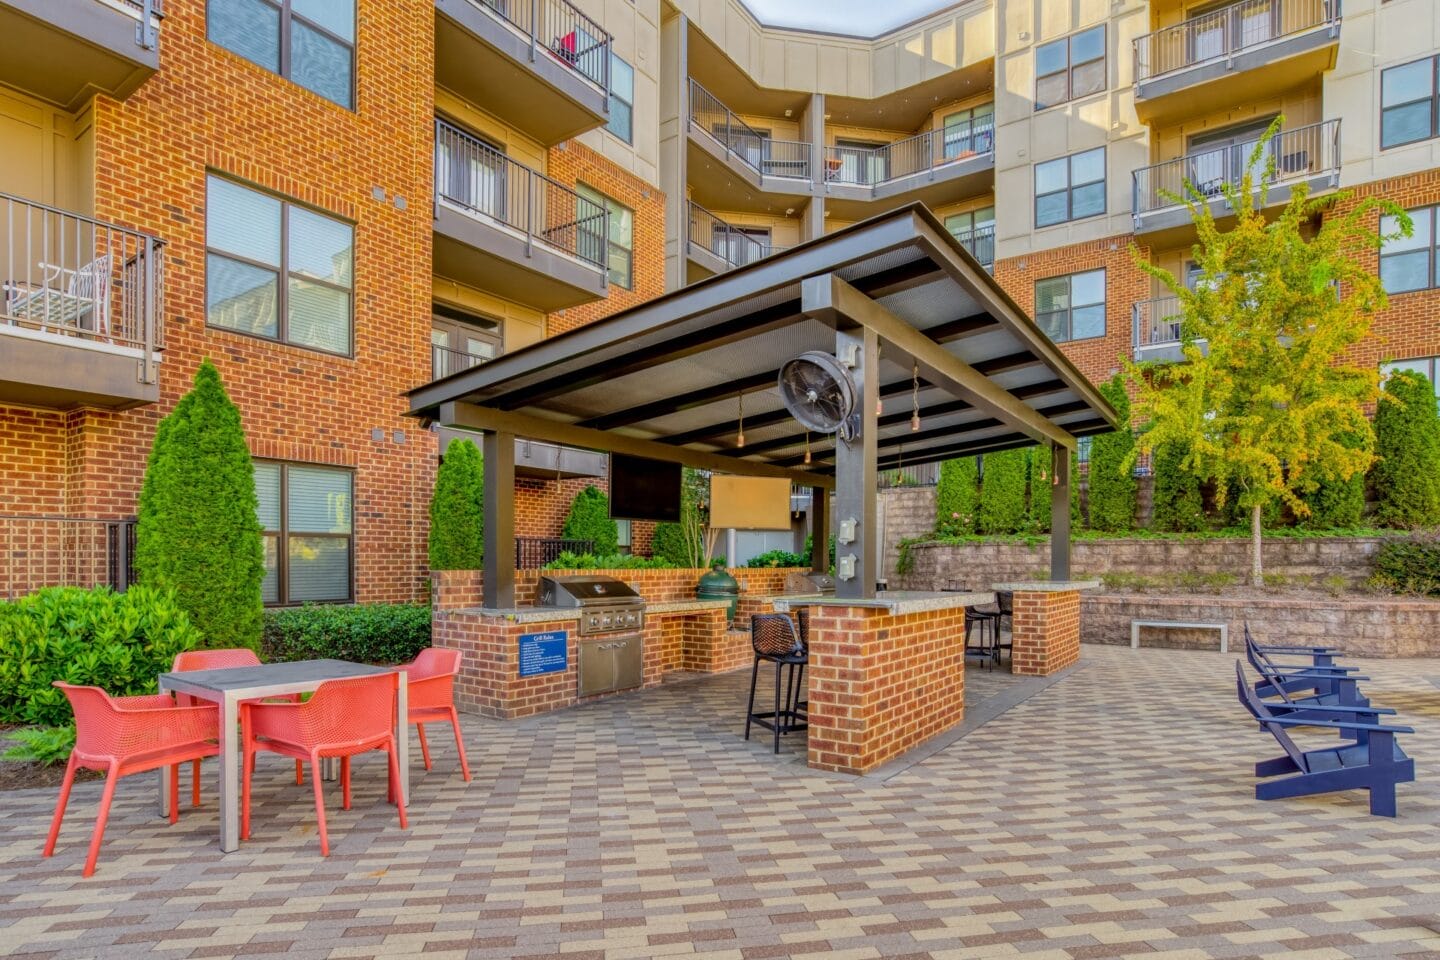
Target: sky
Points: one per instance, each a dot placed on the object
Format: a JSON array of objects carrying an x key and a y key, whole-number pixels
[{"x": 863, "y": 18}]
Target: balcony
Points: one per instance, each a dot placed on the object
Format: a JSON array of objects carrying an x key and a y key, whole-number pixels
[
  {"x": 1243, "y": 52},
  {"x": 445, "y": 361},
  {"x": 754, "y": 159},
  {"x": 1309, "y": 154},
  {"x": 1156, "y": 326},
  {"x": 715, "y": 246},
  {"x": 934, "y": 167},
  {"x": 980, "y": 244},
  {"x": 65, "y": 51},
  {"x": 81, "y": 314},
  {"x": 502, "y": 227},
  {"x": 541, "y": 66}
]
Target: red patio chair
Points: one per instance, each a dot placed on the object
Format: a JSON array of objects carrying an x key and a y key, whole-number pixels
[
  {"x": 431, "y": 687},
  {"x": 343, "y": 718},
  {"x": 218, "y": 660},
  {"x": 125, "y": 735}
]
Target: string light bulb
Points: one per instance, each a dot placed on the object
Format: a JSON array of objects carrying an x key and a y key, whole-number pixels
[
  {"x": 740, "y": 436},
  {"x": 915, "y": 398}
]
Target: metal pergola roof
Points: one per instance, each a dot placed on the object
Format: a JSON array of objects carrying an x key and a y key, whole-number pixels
[{"x": 664, "y": 378}]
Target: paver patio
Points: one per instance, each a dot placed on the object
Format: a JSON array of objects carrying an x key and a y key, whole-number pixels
[{"x": 1107, "y": 814}]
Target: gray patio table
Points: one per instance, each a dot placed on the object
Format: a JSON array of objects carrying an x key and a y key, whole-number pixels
[{"x": 227, "y": 687}]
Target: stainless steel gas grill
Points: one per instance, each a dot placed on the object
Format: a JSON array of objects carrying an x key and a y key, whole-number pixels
[
  {"x": 809, "y": 584},
  {"x": 611, "y": 649}
]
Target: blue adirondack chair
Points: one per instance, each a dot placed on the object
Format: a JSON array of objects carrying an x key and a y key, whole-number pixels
[
  {"x": 1375, "y": 764},
  {"x": 1326, "y": 685},
  {"x": 1319, "y": 656}
]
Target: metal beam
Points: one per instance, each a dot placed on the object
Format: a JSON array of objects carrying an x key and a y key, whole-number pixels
[
  {"x": 819, "y": 530},
  {"x": 828, "y": 296},
  {"x": 499, "y": 536},
  {"x": 472, "y": 417},
  {"x": 855, "y": 482},
  {"x": 683, "y": 401}
]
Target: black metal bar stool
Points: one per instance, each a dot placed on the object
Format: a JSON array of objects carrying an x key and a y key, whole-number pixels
[
  {"x": 1004, "y": 610},
  {"x": 988, "y": 624},
  {"x": 774, "y": 639}
]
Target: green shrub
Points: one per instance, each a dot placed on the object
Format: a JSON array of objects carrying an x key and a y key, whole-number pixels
[
  {"x": 778, "y": 558},
  {"x": 1411, "y": 565},
  {"x": 957, "y": 497},
  {"x": 1112, "y": 482},
  {"x": 364, "y": 633},
  {"x": 1179, "y": 506},
  {"x": 668, "y": 543},
  {"x": 43, "y": 745},
  {"x": 589, "y": 519},
  {"x": 457, "y": 510},
  {"x": 1002, "y": 492},
  {"x": 614, "y": 561},
  {"x": 119, "y": 642},
  {"x": 1407, "y": 441},
  {"x": 1337, "y": 503},
  {"x": 199, "y": 530}
]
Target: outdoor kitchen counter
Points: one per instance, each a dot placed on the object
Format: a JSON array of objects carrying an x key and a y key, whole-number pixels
[
  {"x": 523, "y": 614},
  {"x": 684, "y": 606},
  {"x": 895, "y": 602}
]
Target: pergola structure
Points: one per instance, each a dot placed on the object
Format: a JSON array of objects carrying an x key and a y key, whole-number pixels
[{"x": 684, "y": 377}]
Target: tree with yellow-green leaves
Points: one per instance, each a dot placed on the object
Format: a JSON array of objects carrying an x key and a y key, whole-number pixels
[{"x": 1262, "y": 402}]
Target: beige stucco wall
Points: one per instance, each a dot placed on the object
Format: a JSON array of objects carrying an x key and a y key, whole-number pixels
[
  {"x": 48, "y": 153},
  {"x": 520, "y": 325},
  {"x": 635, "y": 26}
]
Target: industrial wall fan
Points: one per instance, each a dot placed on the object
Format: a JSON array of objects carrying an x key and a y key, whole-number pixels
[{"x": 818, "y": 391}]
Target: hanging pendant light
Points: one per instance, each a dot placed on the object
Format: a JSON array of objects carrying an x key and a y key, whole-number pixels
[
  {"x": 740, "y": 436},
  {"x": 807, "y": 446},
  {"x": 915, "y": 398}
]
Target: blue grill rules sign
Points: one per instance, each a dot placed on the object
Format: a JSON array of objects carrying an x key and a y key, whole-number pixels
[{"x": 542, "y": 653}]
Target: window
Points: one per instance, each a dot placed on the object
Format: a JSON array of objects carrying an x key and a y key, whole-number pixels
[
  {"x": 311, "y": 42},
  {"x": 1425, "y": 365},
  {"x": 622, "y": 99},
  {"x": 277, "y": 270},
  {"x": 1409, "y": 263},
  {"x": 1070, "y": 67},
  {"x": 1408, "y": 103},
  {"x": 975, "y": 229},
  {"x": 306, "y": 514},
  {"x": 619, "y": 247},
  {"x": 622, "y": 535},
  {"x": 460, "y": 340},
  {"x": 1071, "y": 307},
  {"x": 969, "y": 132},
  {"x": 1070, "y": 188}
]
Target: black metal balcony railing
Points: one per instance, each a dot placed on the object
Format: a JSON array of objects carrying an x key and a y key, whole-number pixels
[
  {"x": 477, "y": 178},
  {"x": 980, "y": 242},
  {"x": 1298, "y": 153},
  {"x": 760, "y": 152},
  {"x": 560, "y": 30},
  {"x": 922, "y": 153},
  {"x": 532, "y": 553},
  {"x": 447, "y": 360},
  {"x": 729, "y": 243},
  {"x": 1223, "y": 33},
  {"x": 71, "y": 275},
  {"x": 1156, "y": 323}
]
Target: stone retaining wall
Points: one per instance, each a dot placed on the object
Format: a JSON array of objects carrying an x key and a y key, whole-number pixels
[
  {"x": 980, "y": 564},
  {"x": 1369, "y": 627}
]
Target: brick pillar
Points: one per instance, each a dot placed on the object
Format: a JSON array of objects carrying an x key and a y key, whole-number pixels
[
  {"x": 880, "y": 683},
  {"x": 1046, "y": 631},
  {"x": 456, "y": 589}
]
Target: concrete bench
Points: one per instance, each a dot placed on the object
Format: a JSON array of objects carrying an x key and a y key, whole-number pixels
[{"x": 1224, "y": 629}]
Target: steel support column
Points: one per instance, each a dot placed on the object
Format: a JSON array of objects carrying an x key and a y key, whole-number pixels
[
  {"x": 819, "y": 530},
  {"x": 1059, "y": 513},
  {"x": 499, "y": 451},
  {"x": 855, "y": 469}
]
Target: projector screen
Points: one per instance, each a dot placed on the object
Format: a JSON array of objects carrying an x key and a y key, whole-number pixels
[{"x": 749, "y": 503}]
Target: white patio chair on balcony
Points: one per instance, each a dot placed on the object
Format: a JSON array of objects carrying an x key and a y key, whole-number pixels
[{"x": 70, "y": 299}]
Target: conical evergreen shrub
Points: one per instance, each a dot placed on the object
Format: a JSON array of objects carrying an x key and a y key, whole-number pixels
[
  {"x": 1112, "y": 484},
  {"x": 1407, "y": 441},
  {"x": 457, "y": 510},
  {"x": 1179, "y": 504},
  {"x": 1002, "y": 492},
  {"x": 956, "y": 497},
  {"x": 198, "y": 532},
  {"x": 589, "y": 519}
]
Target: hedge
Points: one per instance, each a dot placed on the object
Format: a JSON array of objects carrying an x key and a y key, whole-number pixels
[
  {"x": 119, "y": 642},
  {"x": 199, "y": 530},
  {"x": 1337, "y": 503},
  {"x": 1002, "y": 492},
  {"x": 457, "y": 510},
  {"x": 1112, "y": 483},
  {"x": 957, "y": 497},
  {"x": 1407, "y": 441},
  {"x": 589, "y": 519},
  {"x": 1179, "y": 506},
  {"x": 1411, "y": 565},
  {"x": 364, "y": 633}
]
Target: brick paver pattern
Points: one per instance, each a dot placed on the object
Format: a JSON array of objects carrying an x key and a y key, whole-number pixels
[{"x": 1111, "y": 814}]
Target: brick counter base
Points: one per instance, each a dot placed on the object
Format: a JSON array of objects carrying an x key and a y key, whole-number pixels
[
  {"x": 1046, "y": 632},
  {"x": 881, "y": 684}
]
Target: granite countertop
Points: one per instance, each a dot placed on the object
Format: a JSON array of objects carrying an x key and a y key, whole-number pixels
[
  {"x": 894, "y": 601},
  {"x": 685, "y": 606},
  {"x": 1046, "y": 586},
  {"x": 524, "y": 614}
]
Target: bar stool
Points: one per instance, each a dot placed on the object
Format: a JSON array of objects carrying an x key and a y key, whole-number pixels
[
  {"x": 987, "y": 622},
  {"x": 1004, "y": 610},
  {"x": 774, "y": 639}
]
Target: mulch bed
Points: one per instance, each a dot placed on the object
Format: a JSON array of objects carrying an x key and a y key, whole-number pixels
[{"x": 16, "y": 775}]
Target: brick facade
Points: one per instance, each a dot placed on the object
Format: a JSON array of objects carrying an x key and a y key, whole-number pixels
[
  {"x": 1045, "y": 631},
  {"x": 880, "y": 684}
]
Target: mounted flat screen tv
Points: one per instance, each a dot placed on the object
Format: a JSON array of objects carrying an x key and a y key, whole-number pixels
[{"x": 644, "y": 489}]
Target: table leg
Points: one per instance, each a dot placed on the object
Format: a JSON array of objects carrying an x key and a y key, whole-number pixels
[
  {"x": 329, "y": 769},
  {"x": 230, "y": 760},
  {"x": 164, "y": 778},
  {"x": 402, "y": 734}
]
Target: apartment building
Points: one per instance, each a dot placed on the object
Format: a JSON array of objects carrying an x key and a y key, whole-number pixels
[{"x": 338, "y": 200}]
